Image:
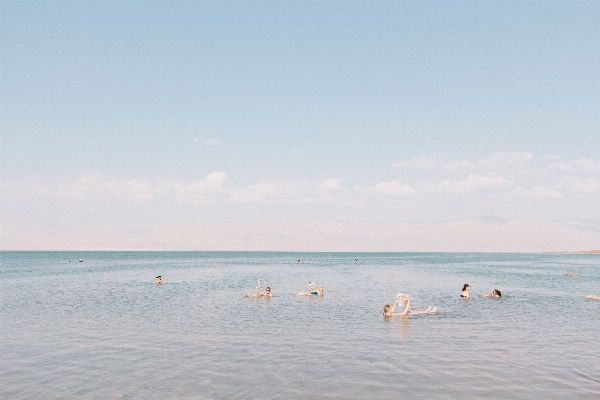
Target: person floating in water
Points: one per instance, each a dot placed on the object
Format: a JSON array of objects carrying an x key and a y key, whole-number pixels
[
  {"x": 496, "y": 293},
  {"x": 592, "y": 297},
  {"x": 403, "y": 300},
  {"x": 312, "y": 291},
  {"x": 81, "y": 260},
  {"x": 465, "y": 291},
  {"x": 266, "y": 293},
  {"x": 158, "y": 280},
  {"x": 355, "y": 261}
]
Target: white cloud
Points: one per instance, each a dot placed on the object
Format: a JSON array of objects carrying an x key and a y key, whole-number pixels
[
  {"x": 496, "y": 162},
  {"x": 211, "y": 183},
  {"x": 506, "y": 185},
  {"x": 541, "y": 192},
  {"x": 427, "y": 163},
  {"x": 258, "y": 192},
  {"x": 582, "y": 185},
  {"x": 332, "y": 184},
  {"x": 395, "y": 189},
  {"x": 211, "y": 142},
  {"x": 587, "y": 165},
  {"x": 583, "y": 164},
  {"x": 475, "y": 182},
  {"x": 564, "y": 166}
]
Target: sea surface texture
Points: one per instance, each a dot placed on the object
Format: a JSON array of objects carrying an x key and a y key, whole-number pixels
[{"x": 97, "y": 330}]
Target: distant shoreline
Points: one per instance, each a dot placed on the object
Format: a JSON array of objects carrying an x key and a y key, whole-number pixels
[
  {"x": 287, "y": 251},
  {"x": 573, "y": 252}
]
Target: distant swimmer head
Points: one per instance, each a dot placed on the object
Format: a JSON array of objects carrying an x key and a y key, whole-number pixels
[
  {"x": 496, "y": 293},
  {"x": 386, "y": 309},
  {"x": 465, "y": 286}
]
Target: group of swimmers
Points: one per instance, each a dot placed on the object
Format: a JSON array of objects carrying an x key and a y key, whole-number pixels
[
  {"x": 402, "y": 299},
  {"x": 313, "y": 290},
  {"x": 465, "y": 292}
]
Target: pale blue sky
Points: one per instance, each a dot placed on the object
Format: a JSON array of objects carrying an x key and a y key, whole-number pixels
[{"x": 279, "y": 97}]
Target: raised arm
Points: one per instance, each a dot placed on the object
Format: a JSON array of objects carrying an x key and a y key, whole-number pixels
[{"x": 405, "y": 309}]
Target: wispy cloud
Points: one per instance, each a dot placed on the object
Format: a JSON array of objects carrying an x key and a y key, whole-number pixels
[
  {"x": 474, "y": 181},
  {"x": 211, "y": 142},
  {"x": 583, "y": 164},
  {"x": 495, "y": 162}
]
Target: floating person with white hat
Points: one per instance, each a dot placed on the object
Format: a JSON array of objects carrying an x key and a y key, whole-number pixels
[{"x": 313, "y": 290}]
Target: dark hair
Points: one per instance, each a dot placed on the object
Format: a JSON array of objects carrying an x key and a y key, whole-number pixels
[
  {"x": 466, "y": 285},
  {"x": 498, "y": 292},
  {"x": 158, "y": 277},
  {"x": 268, "y": 288}
]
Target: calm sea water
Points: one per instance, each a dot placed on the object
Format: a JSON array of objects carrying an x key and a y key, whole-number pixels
[{"x": 96, "y": 330}]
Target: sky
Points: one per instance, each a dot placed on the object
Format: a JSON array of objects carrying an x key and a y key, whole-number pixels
[{"x": 300, "y": 126}]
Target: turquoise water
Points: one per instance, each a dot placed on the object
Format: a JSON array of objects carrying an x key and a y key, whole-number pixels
[{"x": 96, "y": 330}]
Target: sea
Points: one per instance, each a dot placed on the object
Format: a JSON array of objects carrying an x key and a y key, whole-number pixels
[{"x": 101, "y": 328}]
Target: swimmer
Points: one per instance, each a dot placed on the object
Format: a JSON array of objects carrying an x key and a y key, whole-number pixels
[
  {"x": 158, "y": 280},
  {"x": 405, "y": 300},
  {"x": 312, "y": 291},
  {"x": 115, "y": 263},
  {"x": 355, "y": 261},
  {"x": 574, "y": 265},
  {"x": 266, "y": 293},
  {"x": 465, "y": 291},
  {"x": 496, "y": 293},
  {"x": 81, "y": 260},
  {"x": 592, "y": 297},
  {"x": 532, "y": 263}
]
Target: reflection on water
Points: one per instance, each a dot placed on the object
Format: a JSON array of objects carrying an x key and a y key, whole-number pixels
[
  {"x": 402, "y": 327},
  {"x": 100, "y": 330}
]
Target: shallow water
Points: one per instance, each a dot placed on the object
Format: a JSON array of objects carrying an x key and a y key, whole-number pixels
[{"x": 96, "y": 330}]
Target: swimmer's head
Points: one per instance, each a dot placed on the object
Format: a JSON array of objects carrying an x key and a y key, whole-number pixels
[
  {"x": 386, "y": 309},
  {"x": 497, "y": 293},
  {"x": 465, "y": 287},
  {"x": 158, "y": 277},
  {"x": 268, "y": 290}
]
